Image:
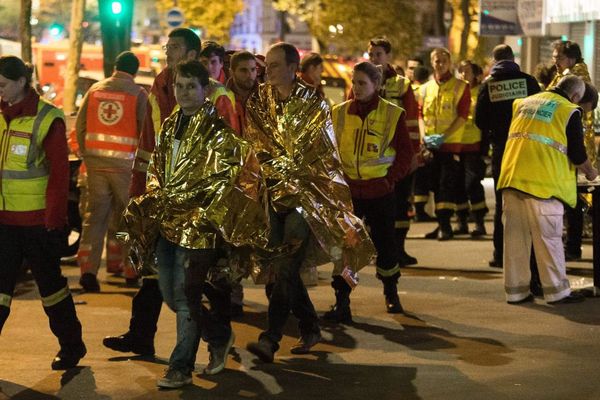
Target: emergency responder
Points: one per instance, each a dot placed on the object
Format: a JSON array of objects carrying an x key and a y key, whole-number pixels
[
  {"x": 445, "y": 102},
  {"x": 569, "y": 61},
  {"x": 311, "y": 68},
  {"x": 397, "y": 89},
  {"x": 471, "y": 195},
  {"x": 382, "y": 157},
  {"x": 493, "y": 113},
  {"x": 544, "y": 145},
  {"x": 33, "y": 219},
  {"x": 108, "y": 128},
  {"x": 412, "y": 64}
]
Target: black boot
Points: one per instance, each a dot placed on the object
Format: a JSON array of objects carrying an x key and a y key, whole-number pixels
[
  {"x": 420, "y": 214},
  {"x": 445, "y": 229},
  {"x": 340, "y": 312},
  {"x": 479, "y": 224},
  {"x": 462, "y": 228},
  {"x": 67, "y": 328},
  {"x": 390, "y": 291},
  {"x": 403, "y": 257}
]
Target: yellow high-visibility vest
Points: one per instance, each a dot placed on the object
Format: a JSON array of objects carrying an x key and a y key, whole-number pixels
[
  {"x": 394, "y": 88},
  {"x": 535, "y": 159},
  {"x": 24, "y": 167},
  {"x": 364, "y": 146},
  {"x": 439, "y": 107},
  {"x": 472, "y": 134}
]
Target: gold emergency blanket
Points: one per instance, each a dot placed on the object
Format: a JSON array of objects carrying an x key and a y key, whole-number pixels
[
  {"x": 209, "y": 190},
  {"x": 295, "y": 144}
]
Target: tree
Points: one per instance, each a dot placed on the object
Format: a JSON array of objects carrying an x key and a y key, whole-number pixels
[
  {"x": 346, "y": 26},
  {"x": 214, "y": 18},
  {"x": 465, "y": 42},
  {"x": 73, "y": 62},
  {"x": 25, "y": 30}
]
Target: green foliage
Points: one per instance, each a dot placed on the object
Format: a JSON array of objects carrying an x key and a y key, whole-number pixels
[
  {"x": 360, "y": 21},
  {"x": 9, "y": 20},
  {"x": 214, "y": 18}
]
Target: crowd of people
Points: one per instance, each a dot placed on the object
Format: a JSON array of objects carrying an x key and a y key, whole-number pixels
[{"x": 235, "y": 165}]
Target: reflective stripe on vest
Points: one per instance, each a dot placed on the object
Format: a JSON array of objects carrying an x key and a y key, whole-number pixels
[
  {"x": 439, "y": 107},
  {"x": 24, "y": 169},
  {"x": 471, "y": 133},
  {"x": 112, "y": 129},
  {"x": 535, "y": 160},
  {"x": 364, "y": 146}
]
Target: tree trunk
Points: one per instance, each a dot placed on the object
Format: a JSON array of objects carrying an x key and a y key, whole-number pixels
[
  {"x": 440, "y": 28},
  {"x": 464, "y": 36},
  {"x": 25, "y": 26},
  {"x": 73, "y": 62}
]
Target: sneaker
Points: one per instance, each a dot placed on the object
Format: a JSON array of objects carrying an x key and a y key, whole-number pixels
[
  {"x": 263, "y": 349},
  {"x": 406, "y": 259},
  {"x": 218, "y": 356},
  {"x": 305, "y": 343},
  {"x": 527, "y": 299},
  {"x": 574, "y": 297},
  {"x": 89, "y": 283},
  {"x": 173, "y": 379}
]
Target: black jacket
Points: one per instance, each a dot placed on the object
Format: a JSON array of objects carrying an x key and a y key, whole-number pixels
[{"x": 494, "y": 113}]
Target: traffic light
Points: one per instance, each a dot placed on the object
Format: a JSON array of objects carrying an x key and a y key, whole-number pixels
[
  {"x": 115, "y": 26},
  {"x": 56, "y": 30}
]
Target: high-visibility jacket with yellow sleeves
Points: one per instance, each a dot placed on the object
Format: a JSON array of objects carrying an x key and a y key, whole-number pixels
[
  {"x": 364, "y": 145},
  {"x": 24, "y": 170},
  {"x": 440, "y": 101},
  {"x": 471, "y": 133},
  {"x": 398, "y": 90},
  {"x": 110, "y": 128},
  {"x": 535, "y": 159}
]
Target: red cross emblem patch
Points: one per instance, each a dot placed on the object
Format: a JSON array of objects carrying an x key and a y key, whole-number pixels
[{"x": 110, "y": 112}]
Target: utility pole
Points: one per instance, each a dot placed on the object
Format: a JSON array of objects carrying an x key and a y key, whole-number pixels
[
  {"x": 74, "y": 60},
  {"x": 25, "y": 30},
  {"x": 115, "y": 26}
]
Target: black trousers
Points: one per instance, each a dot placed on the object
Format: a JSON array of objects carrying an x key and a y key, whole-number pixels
[
  {"x": 470, "y": 192},
  {"x": 42, "y": 250},
  {"x": 403, "y": 194},
  {"x": 380, "y": 214},
  {"x": 445, "y": 172},
  {"x": 289, "y": 293},
  {"x": 145, "y": 310}
]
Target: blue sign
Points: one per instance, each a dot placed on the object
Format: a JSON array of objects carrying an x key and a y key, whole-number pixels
[{"x": 175, "y": 17}]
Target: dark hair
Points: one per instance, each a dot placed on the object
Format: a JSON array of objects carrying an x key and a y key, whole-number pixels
[
  {"x": 370, "y": 70},
  {"x": 421, "y": 73},
  {"x": 503, "y": 52},
  {"x": 381, "y": 42},
  {"x": 127, "y": 62},
  {"x": 193, "y": 69},
  {"x": 475, "y": 69},
  {"x": 569, "y": 49},
  {"x": 544, "y": 74},
  {"x": 210, "y": 48},
  {"x": 192, "y": 41},
  {"x": 13, "y": 68},
  {"x": 238, "y": 57},
  {"x": 291, "y": 52},
  {"x": 417, "y": 59},
  {"x": 309, "y": 60},
  {"x": 590, "y": 96}
]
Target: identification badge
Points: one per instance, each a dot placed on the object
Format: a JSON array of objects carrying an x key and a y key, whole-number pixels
[{"x": 18, "y": 149}]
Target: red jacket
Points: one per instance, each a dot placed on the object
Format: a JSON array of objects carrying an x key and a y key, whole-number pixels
[{"x": 57, "y": 155}]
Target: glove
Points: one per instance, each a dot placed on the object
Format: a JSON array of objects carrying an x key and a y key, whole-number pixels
[{"x": 433, "y": 142}]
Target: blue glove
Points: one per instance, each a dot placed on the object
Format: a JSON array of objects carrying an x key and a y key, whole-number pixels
[{"x": 433, "y": 142}]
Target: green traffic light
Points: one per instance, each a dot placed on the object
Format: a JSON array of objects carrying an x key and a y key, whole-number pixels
[
  {"x": 55, "y": 29},
  {"x": 116, "y": 7}
]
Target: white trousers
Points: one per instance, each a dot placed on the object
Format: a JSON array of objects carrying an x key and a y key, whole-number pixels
[{"x": 528, "y": 220}]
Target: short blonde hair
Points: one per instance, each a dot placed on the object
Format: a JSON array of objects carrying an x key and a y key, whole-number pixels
[{"x": 441, "y": 50}]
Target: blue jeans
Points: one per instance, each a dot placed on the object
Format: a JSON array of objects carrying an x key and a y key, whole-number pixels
[
  {"x": 289, "y": 293},
  {"x": 172, "y": 263}
]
